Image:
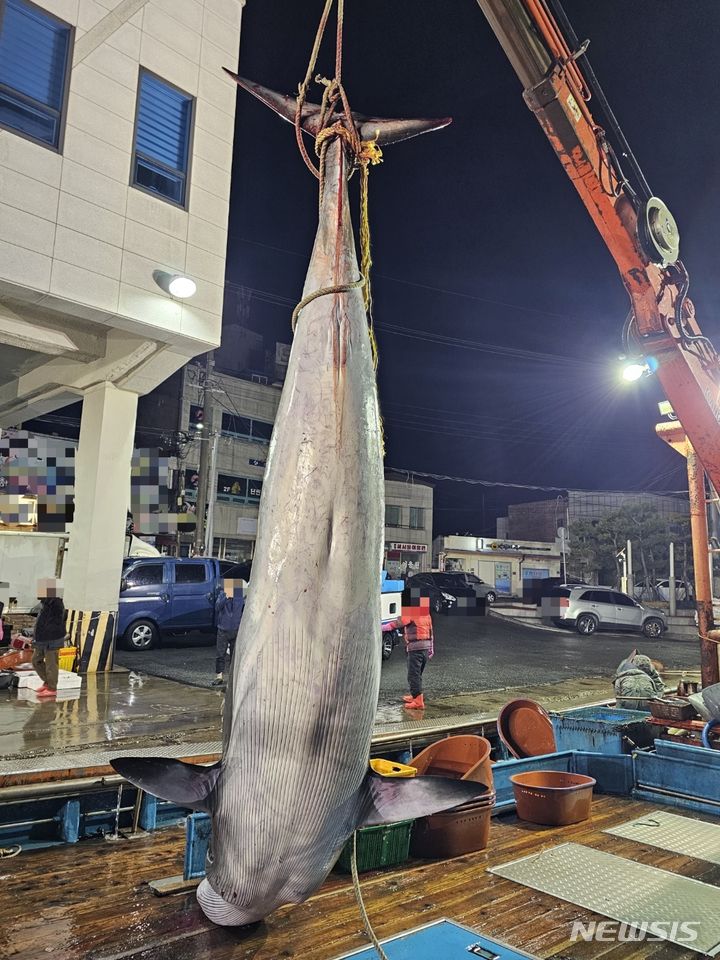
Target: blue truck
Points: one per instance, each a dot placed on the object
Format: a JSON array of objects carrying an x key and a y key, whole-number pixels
[{"x": 168, "y": 596}]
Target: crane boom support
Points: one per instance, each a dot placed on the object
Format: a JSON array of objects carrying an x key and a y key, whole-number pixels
[{"x": 637, "y": 228}]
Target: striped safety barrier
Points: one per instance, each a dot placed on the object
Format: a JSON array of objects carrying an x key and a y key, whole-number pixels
[{"x": 93, "y": 633}]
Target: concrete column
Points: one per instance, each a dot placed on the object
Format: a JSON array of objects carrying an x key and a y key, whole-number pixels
[{"x": 93, "y": 565}]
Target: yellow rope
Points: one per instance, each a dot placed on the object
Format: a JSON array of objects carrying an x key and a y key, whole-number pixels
[{"x": 370, "y": 154}]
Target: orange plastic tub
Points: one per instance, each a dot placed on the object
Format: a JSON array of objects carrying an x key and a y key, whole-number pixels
[
  {"x": 552, "y": 797},
  {"x": 458, "y": 758},
  {"x": 453, "y": 833}
]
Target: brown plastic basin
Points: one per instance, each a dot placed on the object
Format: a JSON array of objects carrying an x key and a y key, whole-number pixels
[
  {"x": 451, "y": 834},
  {"x": 457, "y": 758},
  {"x": 526, "y": 729},
  {"x": 552, "y": 797}
]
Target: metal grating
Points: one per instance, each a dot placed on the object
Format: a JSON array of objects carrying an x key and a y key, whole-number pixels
[
  {"x": 668, "y": 831},
  {"x": 632, "y": 893}
]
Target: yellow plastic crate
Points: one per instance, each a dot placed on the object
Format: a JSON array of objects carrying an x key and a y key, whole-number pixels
[{"x": 66, "y": 658}]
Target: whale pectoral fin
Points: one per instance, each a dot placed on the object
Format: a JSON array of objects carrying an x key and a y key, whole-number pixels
[
  {"x": 389, "y": 799},
  {"x": 183, "y": 783}
]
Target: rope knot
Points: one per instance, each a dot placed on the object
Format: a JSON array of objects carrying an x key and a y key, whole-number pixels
[{"x": 370, "y": 152}]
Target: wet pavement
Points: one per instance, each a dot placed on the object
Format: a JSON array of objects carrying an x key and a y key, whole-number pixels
[
  {"x": 480, "y": 664},
  {"x": 471, "y": 653},
  {"x": 118, "y": 707},
  {"x": 122, "y": 714}
]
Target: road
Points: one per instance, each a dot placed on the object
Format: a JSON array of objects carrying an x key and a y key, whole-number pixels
[{"x": 471, "y": 653}]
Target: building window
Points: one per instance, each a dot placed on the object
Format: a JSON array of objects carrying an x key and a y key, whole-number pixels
[
  {"x": 393, "y": 515},
  {"x": 238, "y": 489},
  {"x": 246, "y": 428},
  {"x": 417, "y": 518},
  {"x": 34, "y": 71},
  {"x": 161, "y": 153}
]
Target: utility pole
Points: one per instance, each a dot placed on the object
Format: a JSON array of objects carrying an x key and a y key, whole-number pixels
[
  {"x": 202, "y": 491},
  {"x": 630, "y": 574},
  {"x": 672, "y": 590},
  {"x": 622, "y": 556},
  {"x": 212, "y": 496},
  {"x": 180, "y": 478}
]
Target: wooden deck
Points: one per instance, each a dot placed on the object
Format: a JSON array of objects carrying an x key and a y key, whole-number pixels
[{"x": 91, "y": 901}]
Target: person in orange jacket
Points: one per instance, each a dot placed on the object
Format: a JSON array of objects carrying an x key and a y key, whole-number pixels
[{"x": 419, "y": 646}]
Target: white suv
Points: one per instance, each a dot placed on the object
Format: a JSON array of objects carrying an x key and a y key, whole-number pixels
[{"x": 588, "y": 608}]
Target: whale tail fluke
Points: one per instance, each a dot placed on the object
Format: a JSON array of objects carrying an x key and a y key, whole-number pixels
[{"x": 378, "y": 129}]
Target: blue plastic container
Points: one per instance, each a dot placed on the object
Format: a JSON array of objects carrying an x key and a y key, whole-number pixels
[{"x": 602, "y": 730}]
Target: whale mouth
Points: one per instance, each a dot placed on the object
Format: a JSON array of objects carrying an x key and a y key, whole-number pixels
[{"x": 221, "y": 912}]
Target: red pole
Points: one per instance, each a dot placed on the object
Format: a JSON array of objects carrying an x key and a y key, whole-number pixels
[{"x": 709, "y": 664}]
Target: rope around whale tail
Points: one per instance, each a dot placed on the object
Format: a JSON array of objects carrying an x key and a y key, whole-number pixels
[{"x": 336, "y": 119}]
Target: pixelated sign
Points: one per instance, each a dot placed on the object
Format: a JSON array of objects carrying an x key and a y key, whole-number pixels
[
  {"x": 37, "y": 481},
  {"x": 152, "y": 494}
]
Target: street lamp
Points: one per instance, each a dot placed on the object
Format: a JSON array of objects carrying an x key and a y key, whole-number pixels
[{"x": 638, "y": 367}]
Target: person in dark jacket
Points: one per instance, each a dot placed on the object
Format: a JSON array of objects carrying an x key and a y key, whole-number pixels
[
  {"x": 48, "y": 637},
  {"x": 229, "y": 610}
]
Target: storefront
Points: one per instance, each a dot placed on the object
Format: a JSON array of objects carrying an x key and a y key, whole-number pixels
[
  {"x": 405, "y": 559},
  {"x": 507, "y": 566}
]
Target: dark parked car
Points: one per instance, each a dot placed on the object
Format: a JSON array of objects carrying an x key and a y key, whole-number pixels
[
  {"x": 440, "y": 599},
  {"x": 458, "y": 580}
]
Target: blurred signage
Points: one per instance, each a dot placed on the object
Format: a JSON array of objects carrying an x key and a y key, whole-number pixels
[
  {"x": 282, "y": 353},
  {"x": 197, "y": 417},
  {"x": 409, "y": 547}
]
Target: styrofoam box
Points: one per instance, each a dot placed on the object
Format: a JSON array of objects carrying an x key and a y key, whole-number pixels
[{"x": 66, "y": 680}]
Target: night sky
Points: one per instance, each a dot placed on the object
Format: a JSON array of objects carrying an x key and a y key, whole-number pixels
[{"x": 498, "y": 308}]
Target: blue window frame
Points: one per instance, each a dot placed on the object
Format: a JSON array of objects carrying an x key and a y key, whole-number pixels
[
  {"x": 163, "y": 126},
  {"x": 34, "y": 71}
]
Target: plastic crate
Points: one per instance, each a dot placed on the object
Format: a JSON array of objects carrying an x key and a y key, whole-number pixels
[
  {"x": 66, "y": 658},
  {"x": 602, "y": 730},
  {"x": 383, "y": 846}
]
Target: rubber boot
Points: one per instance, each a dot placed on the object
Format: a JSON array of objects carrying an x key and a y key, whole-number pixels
[
  {"x": 408, "y": 697},
  {"x": 417, "y": 703},
  {"x": 45, "y": 691}
]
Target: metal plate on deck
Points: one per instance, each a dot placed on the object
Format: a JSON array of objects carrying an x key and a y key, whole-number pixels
[
  {"x": 441, "y": 939},
  {"x": 634, "y": 894},
  {"x": 668, "y": 831}
]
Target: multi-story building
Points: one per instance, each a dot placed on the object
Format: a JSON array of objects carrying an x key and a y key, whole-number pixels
[
  {"x": 240, "y": 427},
  {"x": 116, "y": 139}
]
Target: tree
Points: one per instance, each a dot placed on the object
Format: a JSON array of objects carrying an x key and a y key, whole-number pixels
[{"x": 596, "y": 545}]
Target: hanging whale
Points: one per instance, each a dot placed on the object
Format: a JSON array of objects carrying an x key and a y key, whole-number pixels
[{"x": 293, "y": 783}]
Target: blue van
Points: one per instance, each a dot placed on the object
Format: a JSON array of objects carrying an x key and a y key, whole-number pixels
[{"x": 161, "y": 596}]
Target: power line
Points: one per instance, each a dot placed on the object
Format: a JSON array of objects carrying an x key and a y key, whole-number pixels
[
  {"x": 396, "y": 329},
  {"x": 522, "y": 486},
  {"x": 422, "y": 286}
]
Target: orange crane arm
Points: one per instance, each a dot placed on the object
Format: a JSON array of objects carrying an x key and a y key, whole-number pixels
[{"x": 637, "y": 227}]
